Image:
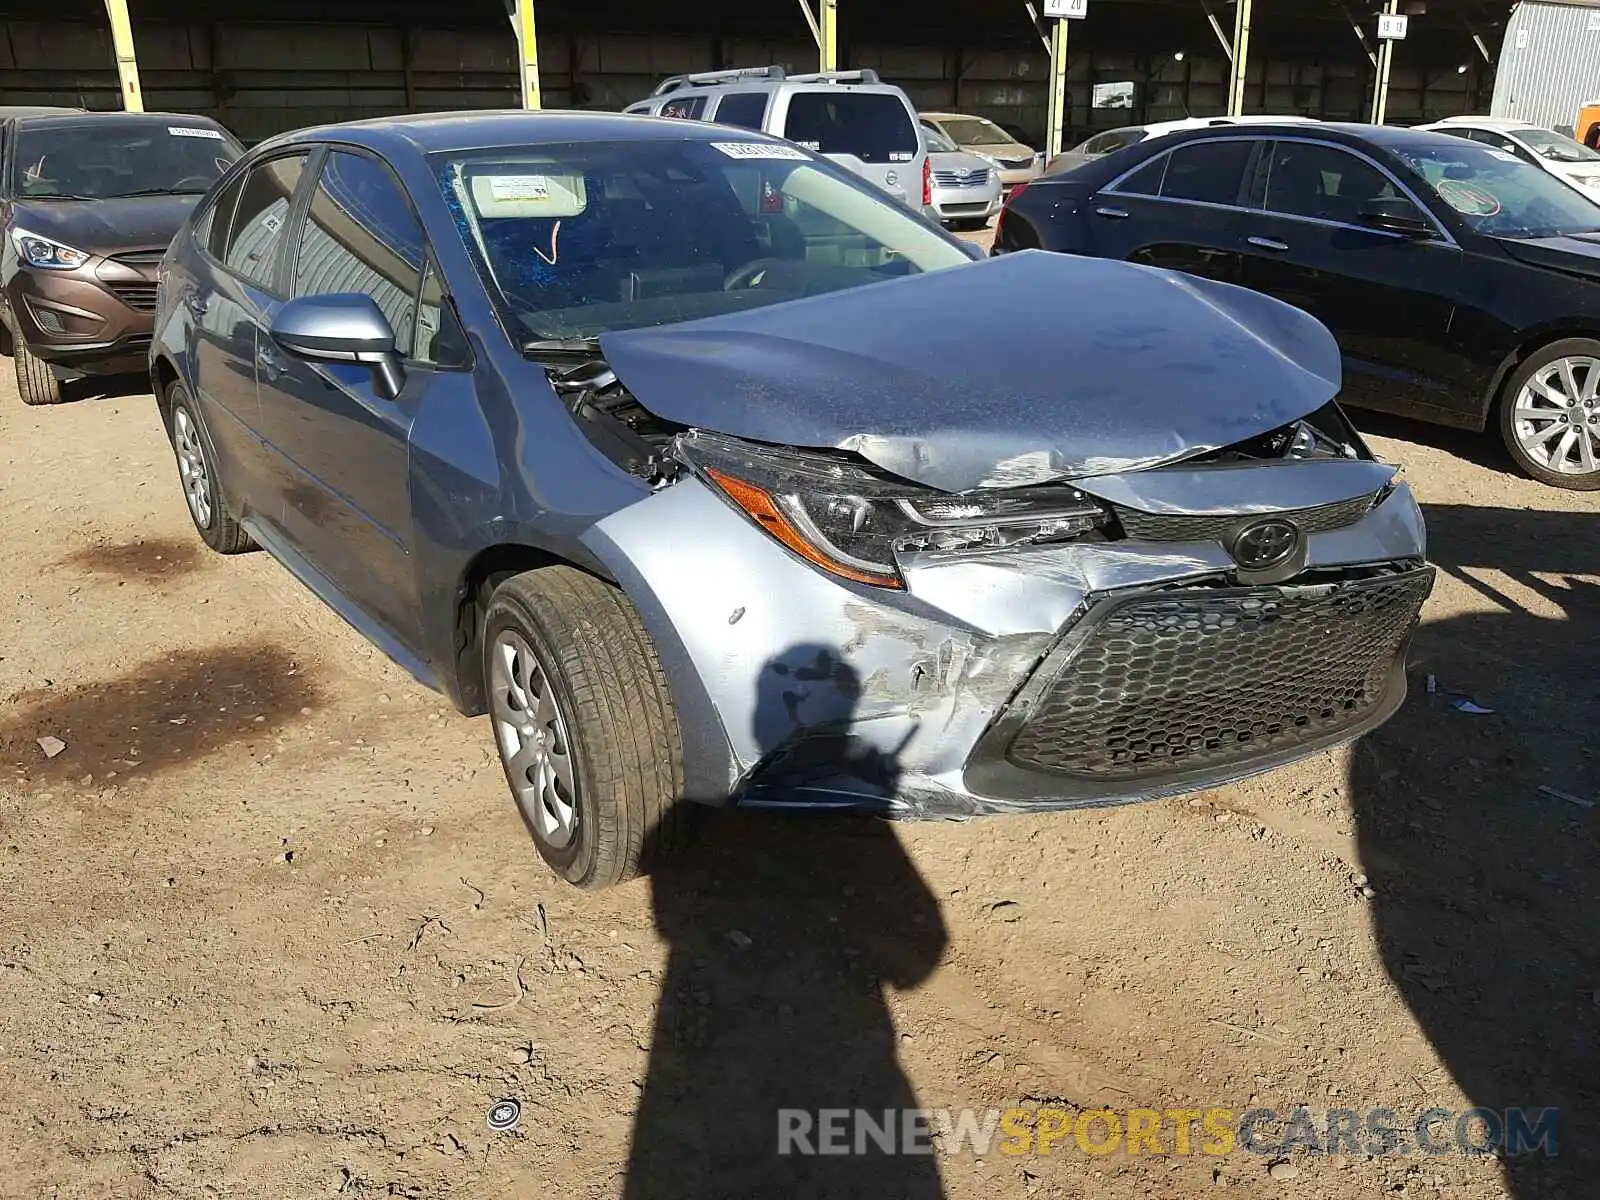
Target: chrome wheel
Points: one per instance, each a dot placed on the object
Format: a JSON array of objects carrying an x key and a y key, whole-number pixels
[
  {"x": 192, "y": 467},
  {"x": 531, "y": 731},
  {"x": 1556, "y": 416}
]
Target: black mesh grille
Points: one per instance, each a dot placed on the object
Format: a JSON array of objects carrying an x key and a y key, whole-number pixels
[
  {"x": 1164, "y": 527},
  {"x": 1180, "y": 681}
]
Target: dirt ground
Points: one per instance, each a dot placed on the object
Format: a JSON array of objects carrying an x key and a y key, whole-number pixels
[{"x": 270, "y": 927}]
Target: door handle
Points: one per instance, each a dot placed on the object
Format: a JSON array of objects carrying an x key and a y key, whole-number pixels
[
  {"x": 1268, "y": 244},
  {"x": 1116, "y": 214},
  {"x": 271, "y": 363}
]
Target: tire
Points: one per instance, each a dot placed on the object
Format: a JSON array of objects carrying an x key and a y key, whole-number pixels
[
  {"x": 36, "y": 382},
  {"x": 606, "y": 804},
  {"x": 1538, "y": 442},
  {"x": 197, "y": 473}
]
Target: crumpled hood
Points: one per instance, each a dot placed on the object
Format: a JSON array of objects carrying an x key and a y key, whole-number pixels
[
  {"x": 1007, "y": 372},
  {"x": 106, "y": 226}
]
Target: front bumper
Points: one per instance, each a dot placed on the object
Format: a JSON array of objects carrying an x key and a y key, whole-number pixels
[
  {"x": 1002, "y": 681},
  {"x": 94, "y": 320},
  {"x": 965, "y": 204}
]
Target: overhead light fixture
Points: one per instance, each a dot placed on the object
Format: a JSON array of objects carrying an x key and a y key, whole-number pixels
[
  {"x": 1177, "y": 56},
  {"x": 1462, "y": 69}
]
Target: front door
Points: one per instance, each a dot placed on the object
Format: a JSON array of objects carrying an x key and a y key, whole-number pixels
[
  {"x": 342, "y": 449},
  {"x": 1387, "y": 298}
]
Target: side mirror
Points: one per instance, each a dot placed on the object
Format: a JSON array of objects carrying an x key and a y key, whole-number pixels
[
  {"x": 348, "y": 327},
  {"x": 1397, "y": 216}
]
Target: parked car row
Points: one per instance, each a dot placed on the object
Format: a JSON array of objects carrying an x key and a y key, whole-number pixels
[{"x": 1462, "y": 282}]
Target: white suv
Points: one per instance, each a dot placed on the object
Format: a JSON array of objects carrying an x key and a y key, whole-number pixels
[{"x": 852, "y": 117}]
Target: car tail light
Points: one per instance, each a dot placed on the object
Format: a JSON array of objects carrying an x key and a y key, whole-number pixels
[
  {"x": 927, "y": 182},
  {"x": 1006, "y": 207}
]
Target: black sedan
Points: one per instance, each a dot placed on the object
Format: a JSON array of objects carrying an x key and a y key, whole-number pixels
[{"x": 1463, "y": 286}]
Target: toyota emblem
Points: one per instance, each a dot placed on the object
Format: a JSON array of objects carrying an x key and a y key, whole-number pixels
[{"x": 1264, "y": 544}]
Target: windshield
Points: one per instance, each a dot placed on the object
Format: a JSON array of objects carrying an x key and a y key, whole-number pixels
[
  {"x": 937, "y": 142},
  {"x": 1558, "y": 147},
  {"x": 976, "y": 131},
  {"x": 1499, "y": 195},
  {"x": 100, "y": 160},
  {"x": 574, "y": 240}
]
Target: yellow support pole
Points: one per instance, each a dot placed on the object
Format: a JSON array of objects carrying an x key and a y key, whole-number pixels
[
  {"x": 1056, "y": 109},
  {"x": 1380, "y": 89},
  {"x": 127, "y": 63},
  {"x": 828, "y": 35},
  {"x": 528, "y": 54},
  {"x": 1241, "y": 58}
]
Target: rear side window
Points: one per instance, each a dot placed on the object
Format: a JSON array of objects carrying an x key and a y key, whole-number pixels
[
  {"x": 256, "y": 231},
  {"x": 1324, "y": 182},
  {"x": 873, "y": 126},
  {"x": 360, "y": 235},
  {"x": 1211, "y": 172},
  {"x": 689, "y": 108},
  {"x": 746, "y": 110},
  {"x": 214, "y": 226},
  {"x": 1146, "y": 181}
]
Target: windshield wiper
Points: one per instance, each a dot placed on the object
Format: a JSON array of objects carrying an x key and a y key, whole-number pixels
[
  {"x": 577, "y": 345},
  {"x": 154, "y": 192}
]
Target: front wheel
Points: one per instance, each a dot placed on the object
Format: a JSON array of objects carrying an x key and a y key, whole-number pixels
[
  {"x": 1550, "y": 414},
  {"x": 585, "y": 726},
  {"x": 36, "y": 380}
]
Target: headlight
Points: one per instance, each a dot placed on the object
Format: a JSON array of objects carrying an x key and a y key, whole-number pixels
[
  {"x": 851, "y": 522},
  {"x": 39, "y": 251}
]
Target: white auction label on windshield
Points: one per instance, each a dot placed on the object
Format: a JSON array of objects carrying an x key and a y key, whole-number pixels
[
  {"x": 760, "y": 150},
  {"x": 519, "y": 187},
  {"x": 191, "y": 131}
]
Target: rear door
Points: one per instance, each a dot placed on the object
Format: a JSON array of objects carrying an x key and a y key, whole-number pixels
[
  {"x": 344, "y": 450},
  {"x": 1388, "y": 298},
  {"x": 872, "y": 133},
  {"x": 1182, "y": 209},
  {"x": 227, "y": 311}
]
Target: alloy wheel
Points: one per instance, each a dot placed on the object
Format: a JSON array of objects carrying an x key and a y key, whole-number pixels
[
  {"x": 531, "y": 731},
  {"x": 1556, "y": 416},
  {"x": 192, "y": 467}
]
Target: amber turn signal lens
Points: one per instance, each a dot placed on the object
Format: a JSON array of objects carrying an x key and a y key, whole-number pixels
[{"x": 759, "y": 505}]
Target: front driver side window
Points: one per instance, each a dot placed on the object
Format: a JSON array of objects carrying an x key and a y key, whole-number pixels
[
  {"x": 360, "y": 235},
  {"x": 1323, "y": 182}
]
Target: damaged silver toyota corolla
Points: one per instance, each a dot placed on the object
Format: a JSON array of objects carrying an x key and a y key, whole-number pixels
[{"x": 711, "y": 474}]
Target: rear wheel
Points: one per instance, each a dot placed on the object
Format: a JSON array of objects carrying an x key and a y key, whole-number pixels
[
  {"x": 1550, "y": 414},
  {"x": 585, "y": 726},
  {"x": 36, "y": 382},
  {"x": 197, "y": 471}
]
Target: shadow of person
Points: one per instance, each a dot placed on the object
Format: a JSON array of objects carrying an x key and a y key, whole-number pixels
[
  {"x": 1486, "y": 886},
  {"x": 784, "y": 933}
]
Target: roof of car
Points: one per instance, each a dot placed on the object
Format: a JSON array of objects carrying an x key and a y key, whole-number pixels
[
  {"x": 56, "y": 118},
  {"x": 1505, "y": 123},
  {"x": 485, "y": 130}
]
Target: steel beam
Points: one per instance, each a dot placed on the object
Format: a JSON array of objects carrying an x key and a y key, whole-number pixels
[
  {"x": 127, "y": 61},
  {"x": 828, "y": 28},
  {"x": 811, "y": 22},
  {"x": 1038, "y": 25},
  {"x": 1056, "y": 110},
  {"x": 1216, "y": 28},
  {"x": 1380, "y": 90},
  {"x": 1241, "y": 58},
  {"x": 1361, "y": 34},
  {"x": 527, "y": 51}
]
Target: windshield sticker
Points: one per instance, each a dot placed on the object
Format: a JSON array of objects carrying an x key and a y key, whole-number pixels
[
  {"x": 748, "y": 150},
  {"x": 1503, "y": 156},
  {"x": 519, "y": 187},
  {"x": 191, "y": 131},
  {"x": 813, "y": 146},
  {"x": 1468, "y": 199}
]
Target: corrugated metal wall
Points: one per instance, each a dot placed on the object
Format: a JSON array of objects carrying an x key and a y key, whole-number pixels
[
  {"x": 259, "y": 79},
  {"x": 1549, "y": 63}
]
